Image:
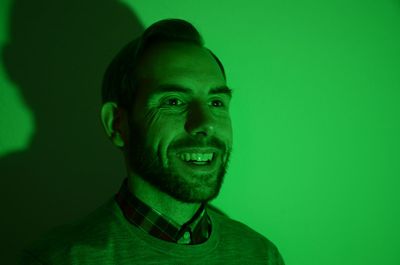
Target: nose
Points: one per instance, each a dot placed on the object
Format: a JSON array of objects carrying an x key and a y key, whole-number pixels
[{"x": 200, "y": 120}]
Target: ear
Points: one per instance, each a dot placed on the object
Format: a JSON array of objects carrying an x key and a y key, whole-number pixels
[{"x": 115, "y": 123}]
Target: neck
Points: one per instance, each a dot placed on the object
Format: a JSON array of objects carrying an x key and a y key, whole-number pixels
[{"x": 178, "y": 211}]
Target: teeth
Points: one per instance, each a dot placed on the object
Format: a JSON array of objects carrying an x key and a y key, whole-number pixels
[{"x": 196, "y": 156}]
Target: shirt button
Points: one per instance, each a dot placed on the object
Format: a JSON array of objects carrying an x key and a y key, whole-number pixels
[{"x": 186, "y": 235}]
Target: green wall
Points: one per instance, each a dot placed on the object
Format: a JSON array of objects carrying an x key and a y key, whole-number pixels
[{"x": 316, "y": 115}]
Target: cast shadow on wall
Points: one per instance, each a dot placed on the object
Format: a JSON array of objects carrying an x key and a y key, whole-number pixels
[{"x": 56, "y": 55}]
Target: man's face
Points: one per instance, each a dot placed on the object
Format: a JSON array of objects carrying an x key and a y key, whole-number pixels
[{"x": 181, "y": 110}]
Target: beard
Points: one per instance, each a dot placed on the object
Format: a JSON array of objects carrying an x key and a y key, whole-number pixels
[{"x": 169, "y": 177}]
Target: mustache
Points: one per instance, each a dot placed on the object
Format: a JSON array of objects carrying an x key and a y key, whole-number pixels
[{"x": 196, "y": 143}]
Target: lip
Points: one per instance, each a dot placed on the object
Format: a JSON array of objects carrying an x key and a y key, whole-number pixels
[
  {"x": 212, "y": 166},
  {"x": 198, "y": 150}
]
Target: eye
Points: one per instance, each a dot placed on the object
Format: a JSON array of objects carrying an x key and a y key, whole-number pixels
[
  {"x": 173, "y": 102},
  {"x": 217, "y": 103}
]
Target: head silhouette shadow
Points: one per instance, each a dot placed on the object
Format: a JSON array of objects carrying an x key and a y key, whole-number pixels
[{"x": 56, "y": 55}]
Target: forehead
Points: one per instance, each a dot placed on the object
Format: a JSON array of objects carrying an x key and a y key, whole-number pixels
[{"x": 180, "y": 64}]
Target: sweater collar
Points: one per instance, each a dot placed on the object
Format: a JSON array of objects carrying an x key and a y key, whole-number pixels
[{"x": 138, "y": 213}]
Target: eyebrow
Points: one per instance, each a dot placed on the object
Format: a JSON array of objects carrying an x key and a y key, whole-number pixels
[{"x": 180, "y": 89}]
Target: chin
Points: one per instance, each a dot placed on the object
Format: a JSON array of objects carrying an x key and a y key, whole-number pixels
[{"x": 195, "y": 192}]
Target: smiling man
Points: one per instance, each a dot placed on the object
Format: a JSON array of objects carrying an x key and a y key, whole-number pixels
[{"x": 166, "y": 106}]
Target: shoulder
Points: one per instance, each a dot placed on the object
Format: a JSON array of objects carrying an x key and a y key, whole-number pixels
[
  {"x": 234, "y": 232},
  {"x": 92, "y": 231},
  {"x": 228, "y": 225}
]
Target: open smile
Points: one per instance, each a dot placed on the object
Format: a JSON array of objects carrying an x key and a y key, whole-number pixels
[{"x": 206, "y": 162}]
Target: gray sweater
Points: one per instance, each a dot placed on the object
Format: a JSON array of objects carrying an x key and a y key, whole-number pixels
[{"x": 106, "y": 237}]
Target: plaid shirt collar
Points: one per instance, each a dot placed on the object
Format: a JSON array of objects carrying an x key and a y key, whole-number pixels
[{"x": 195, "y": 231}]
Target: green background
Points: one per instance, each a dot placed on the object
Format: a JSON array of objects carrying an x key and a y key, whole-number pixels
[{"x": 316, "y": 114}]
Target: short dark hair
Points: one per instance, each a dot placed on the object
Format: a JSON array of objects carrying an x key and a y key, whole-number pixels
[{"x": 118, "y": 82}]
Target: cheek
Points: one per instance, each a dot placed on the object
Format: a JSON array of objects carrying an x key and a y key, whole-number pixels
[
  {"x": 226, "y": 127},
  {"x": 230, "y": 130},
  {"x": 158, "y": 124},
  {"x": 227, "y": 134},
  {"x": 160, "y": 130}
]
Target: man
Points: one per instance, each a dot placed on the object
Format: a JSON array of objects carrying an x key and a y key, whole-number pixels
[{"x": 166, "y": 106}]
